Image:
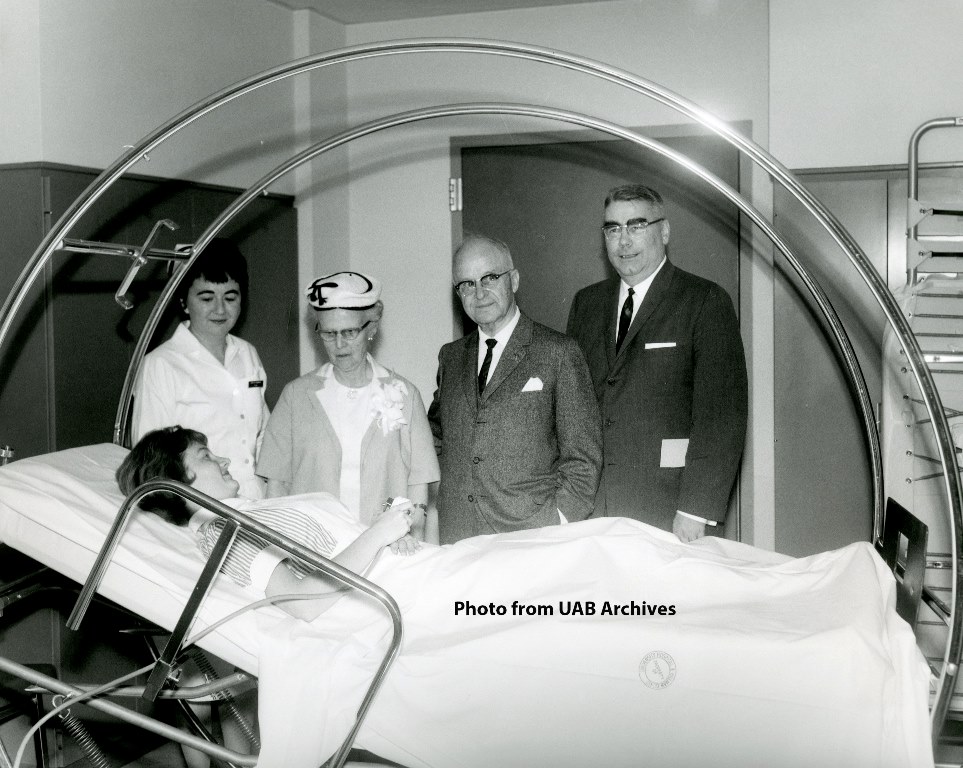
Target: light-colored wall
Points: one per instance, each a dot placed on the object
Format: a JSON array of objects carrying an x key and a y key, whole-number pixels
[
  {"x": 20, "y": 90},
  {"x": 94, "y": 76},
  {"x": 852, "y": 79},
  {"x": 322, "y": 194}
]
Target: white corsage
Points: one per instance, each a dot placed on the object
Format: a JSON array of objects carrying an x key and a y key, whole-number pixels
[{"x": 388, "y": 405}]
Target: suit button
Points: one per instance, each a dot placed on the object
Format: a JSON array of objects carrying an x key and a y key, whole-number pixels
[
  {"x": 470, "y": 497},
  {"x": 609, "y": 422},
  {"x": 475, "y": 460},
  {"x": 610, "y": 382}
]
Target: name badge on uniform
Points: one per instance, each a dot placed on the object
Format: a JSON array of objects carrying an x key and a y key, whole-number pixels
[{"x": 256, "y": 383}]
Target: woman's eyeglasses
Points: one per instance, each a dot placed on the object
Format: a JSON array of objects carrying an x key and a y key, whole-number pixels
[{"x": 348, "y": 334}]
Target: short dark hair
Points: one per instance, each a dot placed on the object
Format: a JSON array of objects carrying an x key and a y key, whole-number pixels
[
  {"x": 220, "y": 261},
  {"x": 159, "y": 455},
  {"x": 630, "y": 192}
]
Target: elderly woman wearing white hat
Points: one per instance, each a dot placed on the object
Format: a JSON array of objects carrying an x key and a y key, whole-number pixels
[{"x": 352, "y": 427}]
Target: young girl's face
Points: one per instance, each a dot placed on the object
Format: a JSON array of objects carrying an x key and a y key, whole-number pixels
[{"x": 210, "y": 472}]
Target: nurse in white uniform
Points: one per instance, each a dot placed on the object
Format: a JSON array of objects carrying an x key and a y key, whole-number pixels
[{"x": 204, "y": 377}]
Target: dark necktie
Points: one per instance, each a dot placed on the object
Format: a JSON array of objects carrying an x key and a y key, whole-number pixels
[
  {"x": 625, "y": 320},
  {"x": 486, "y": 364}
]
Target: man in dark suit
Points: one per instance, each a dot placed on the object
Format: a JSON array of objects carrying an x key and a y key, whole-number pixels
[
  {"x": 515, "y": 423},
  {"x": 669, "y": 371}
]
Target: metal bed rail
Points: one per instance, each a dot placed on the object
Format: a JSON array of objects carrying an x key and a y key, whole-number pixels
[{"x": 235, "y": 521}]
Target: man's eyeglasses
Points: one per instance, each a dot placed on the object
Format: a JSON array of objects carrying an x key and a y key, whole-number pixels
[
  {"x": 348, "y": 334},
  {"x": 467, "y": 287},
  {"x": 634, "y": 228}
]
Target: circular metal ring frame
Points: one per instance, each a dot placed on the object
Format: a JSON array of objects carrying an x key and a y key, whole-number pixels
[{"x": 777, "y": 172}]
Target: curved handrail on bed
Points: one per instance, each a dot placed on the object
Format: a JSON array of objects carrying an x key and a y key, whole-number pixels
[
  {"x": 953, "y": 484},
  {"x": 244, "y": 522}
]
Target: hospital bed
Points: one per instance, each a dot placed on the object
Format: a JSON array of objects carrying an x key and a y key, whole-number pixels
[
  {"x": 820, "y": 668},
  {"x": 165, "y": 610},
  {"x": 62, "y": 510}
]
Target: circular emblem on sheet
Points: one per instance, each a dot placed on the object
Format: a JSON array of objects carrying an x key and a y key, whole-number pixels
[{"x": 657, "y": 670}]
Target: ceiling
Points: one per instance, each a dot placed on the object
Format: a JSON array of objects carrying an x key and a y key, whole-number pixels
[{"x": 364, "y": 11}]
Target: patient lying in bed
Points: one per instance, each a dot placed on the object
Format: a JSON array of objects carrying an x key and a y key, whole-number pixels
[
  {"x": 602, "y": 642},
  {"x": 176, "y": 453}
]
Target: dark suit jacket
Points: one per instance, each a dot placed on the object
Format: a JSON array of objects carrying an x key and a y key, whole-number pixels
[
  {"x": 680, "y": 375},
  {"x": 530, "y": 445}
]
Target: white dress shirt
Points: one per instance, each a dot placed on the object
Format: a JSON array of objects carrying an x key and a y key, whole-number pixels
[
  {"x": 349, "y": 411},
  {"x": 639, "y": 293},
  {"x": 502, "y": 338}
]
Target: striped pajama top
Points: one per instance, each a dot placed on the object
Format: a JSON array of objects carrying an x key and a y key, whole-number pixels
[{"x": 317, "y": 521}]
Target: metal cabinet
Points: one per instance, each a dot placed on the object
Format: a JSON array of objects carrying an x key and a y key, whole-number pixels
[{"x": 62, "y": 373}]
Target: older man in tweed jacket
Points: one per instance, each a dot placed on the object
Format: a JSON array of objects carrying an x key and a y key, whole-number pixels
[{"x": 515, "y": 422}]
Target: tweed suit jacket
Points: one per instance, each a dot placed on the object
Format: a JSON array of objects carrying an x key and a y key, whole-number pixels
[
  {"x": 673, "y": 400},
  {"x": 526, "y": 448}
]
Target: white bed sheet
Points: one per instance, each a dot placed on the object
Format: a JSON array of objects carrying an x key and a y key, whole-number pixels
[{"x": 773, "y": 661}]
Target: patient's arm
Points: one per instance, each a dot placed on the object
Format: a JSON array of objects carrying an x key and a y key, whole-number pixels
[{"x": 389, "y": 526}]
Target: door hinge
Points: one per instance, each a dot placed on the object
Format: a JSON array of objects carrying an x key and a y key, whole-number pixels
[
  {"x": 46, "y": 209},
  {"x": 454, "y": 195}
]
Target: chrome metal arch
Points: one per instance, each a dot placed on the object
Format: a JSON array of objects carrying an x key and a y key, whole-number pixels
[
  {"x": 953, "y": 485},
  {"x": 839, "y": 335}
]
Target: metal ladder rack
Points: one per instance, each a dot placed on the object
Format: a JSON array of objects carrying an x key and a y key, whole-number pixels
[{"x": 933, "y": 304}]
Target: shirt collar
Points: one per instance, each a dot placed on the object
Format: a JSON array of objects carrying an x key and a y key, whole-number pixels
[
  {"x": 504, "y": 334},
  {"x": 639, "y": 289},
  {"x": 191, "y": 345}
]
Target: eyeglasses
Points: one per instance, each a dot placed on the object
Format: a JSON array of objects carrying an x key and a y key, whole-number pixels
[
  {"x": 348, "y": 334},
  {"x": 467, "y": 287},
  {"x": 634, "y": 228}
]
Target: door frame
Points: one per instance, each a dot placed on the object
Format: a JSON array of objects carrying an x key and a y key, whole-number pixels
[{"x": 741, "y": 523}]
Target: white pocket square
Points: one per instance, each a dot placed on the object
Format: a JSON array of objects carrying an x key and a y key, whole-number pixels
[
  {"x": 659, "y": 344},
  {"x": 673, "y": 452},
  {"x": 534, "y": 384}
]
